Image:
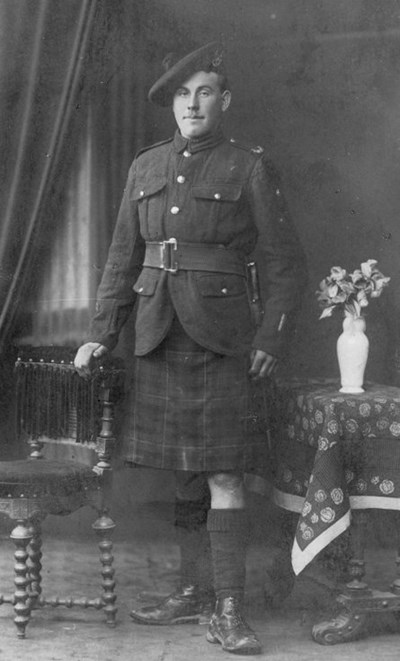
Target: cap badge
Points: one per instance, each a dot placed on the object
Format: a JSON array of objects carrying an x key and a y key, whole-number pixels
[{"x": 217, "y": 61}]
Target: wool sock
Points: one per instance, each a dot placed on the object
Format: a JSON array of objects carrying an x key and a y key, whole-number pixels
[
  {"x": 194, "y": 542},
  {"x": 229, "y": 531}
]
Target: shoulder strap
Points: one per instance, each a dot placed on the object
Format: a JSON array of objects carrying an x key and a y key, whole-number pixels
[{"x": 156, "y": 144}]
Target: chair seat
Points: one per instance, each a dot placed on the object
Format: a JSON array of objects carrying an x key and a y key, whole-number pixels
[{"x": 38, "y": 478}]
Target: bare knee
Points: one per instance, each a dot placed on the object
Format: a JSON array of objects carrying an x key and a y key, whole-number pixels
[
  {"x": 225, "y": 481},
  {"x": 226, "y": 490}
]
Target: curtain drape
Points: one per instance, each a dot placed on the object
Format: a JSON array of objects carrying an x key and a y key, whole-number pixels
[
  {"x": 112, "y": 122},
  {"x": 74, "y": 76},
  {"x": 55, "y": 307},
  {"x": 42, "y": 49}
]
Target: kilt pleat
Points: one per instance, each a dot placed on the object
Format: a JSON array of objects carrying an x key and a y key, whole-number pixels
[{"x": 194, "y": 410}]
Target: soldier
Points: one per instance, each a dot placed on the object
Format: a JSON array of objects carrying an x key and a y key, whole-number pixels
[{"x": 194, "y": 208}]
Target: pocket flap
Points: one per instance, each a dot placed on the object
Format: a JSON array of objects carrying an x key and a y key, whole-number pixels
[
  {"x": 144, "y": 189},
  {"x": 146, "y": 283},
  {"x": 222, "y": 285},
  {"x": 218, "y": 192}
]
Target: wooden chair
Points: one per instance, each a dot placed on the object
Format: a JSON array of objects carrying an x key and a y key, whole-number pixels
[{"x": 66, "y": 420}]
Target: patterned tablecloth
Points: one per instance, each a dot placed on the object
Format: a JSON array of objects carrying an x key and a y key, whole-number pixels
[{"x": 334, "y": 452}]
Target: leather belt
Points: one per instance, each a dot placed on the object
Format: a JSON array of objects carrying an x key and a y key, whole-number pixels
[{"x": 172, "y": 256}]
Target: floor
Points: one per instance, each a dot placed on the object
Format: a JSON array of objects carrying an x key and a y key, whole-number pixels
[{"x": 146, "y": 563}]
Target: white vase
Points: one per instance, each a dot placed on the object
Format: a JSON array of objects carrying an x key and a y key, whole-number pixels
[{"x": 352, "y": 352}]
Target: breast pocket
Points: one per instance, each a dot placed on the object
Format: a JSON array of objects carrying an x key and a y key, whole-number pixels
[
  {"x": 213, "y": 201},
  {"x": 150, "y": 197}
]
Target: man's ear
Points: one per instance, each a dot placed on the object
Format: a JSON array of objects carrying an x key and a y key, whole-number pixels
[{"x": 226, "y": 100}]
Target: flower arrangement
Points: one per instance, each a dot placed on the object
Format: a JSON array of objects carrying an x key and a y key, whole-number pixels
[{"x": 350, "y": 291}]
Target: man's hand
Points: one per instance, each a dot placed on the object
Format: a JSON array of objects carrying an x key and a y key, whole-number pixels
[
  {"x": 85, "y": 355},
  {"x": 262, "y": 364}
]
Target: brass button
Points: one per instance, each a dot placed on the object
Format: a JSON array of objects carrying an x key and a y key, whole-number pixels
[
  {"x": 181, "y": 179},
  {"x": 217, "y": 196},
  {"x": 175, "y": 210},
  {"x": 140, "y": 289},
  {"x": 141, "y": 193},
  {"x": 278, "y": 192},
  {"x": 224, "y": 290},
  {"x": 186, "y": 153}
]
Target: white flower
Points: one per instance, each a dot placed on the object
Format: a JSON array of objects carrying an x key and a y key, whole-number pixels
[
  {"x": 323, "y": 443},
  {"x": 320, "y": 496},
  {"x": 365, "y": 409},
  {"x": 386, "y": 486},
  {"x": 395, "y": 428},
  {"x": 351, "y": 426},
  {"x": 337, "y": 273},
  {"x": 350, "y": 291},
  {"x": 366, "y": 267},
  {"x": 327, "y": 515},
  {"x": 382, "y": 423},
  {"x": 361, "y": 486},
  {"x": 337, "y": 496},
  {"x": 333, "y": 427},
  {"x": 307, "y": 534}
]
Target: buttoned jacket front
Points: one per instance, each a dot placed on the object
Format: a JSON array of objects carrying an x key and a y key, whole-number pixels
[{"x": 211, "y": 192}]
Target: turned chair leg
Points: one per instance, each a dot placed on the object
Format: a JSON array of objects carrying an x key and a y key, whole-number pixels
[
  {"x": 104, "y": 527},
  {"x": 21, "y": 536},
  {"x": 34, "y": 563}
]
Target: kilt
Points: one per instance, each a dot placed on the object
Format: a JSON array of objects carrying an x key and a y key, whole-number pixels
[{"x": 194, "y": 410}]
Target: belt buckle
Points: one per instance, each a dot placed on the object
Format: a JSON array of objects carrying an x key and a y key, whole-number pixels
[{"x": 168, "y": 262}]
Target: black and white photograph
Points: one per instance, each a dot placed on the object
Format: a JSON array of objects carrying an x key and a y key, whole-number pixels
[{"x": 199, "y": 330}]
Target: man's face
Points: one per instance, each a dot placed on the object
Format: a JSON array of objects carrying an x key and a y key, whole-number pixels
[{"x": 199, "y": 103}]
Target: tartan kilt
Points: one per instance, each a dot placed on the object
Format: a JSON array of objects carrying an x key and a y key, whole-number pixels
[{"x": 194, "y": 410}]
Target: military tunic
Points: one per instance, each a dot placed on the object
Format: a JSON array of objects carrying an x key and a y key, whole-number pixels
[{"x": 209, "y": 191}]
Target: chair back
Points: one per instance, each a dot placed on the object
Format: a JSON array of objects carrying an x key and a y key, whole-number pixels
[{"x": 60, "y": 414}]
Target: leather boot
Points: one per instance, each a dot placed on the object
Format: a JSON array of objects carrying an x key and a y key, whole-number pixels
[
  {"x": 187, "y": 605},
  {"x": 229, "y": 628}
]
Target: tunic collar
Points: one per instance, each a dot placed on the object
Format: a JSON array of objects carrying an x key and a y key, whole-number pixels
[{"x": 195, "y": 145}]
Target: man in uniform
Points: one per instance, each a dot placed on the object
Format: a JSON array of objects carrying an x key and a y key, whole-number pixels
[{"x": 194, "y": 208}]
